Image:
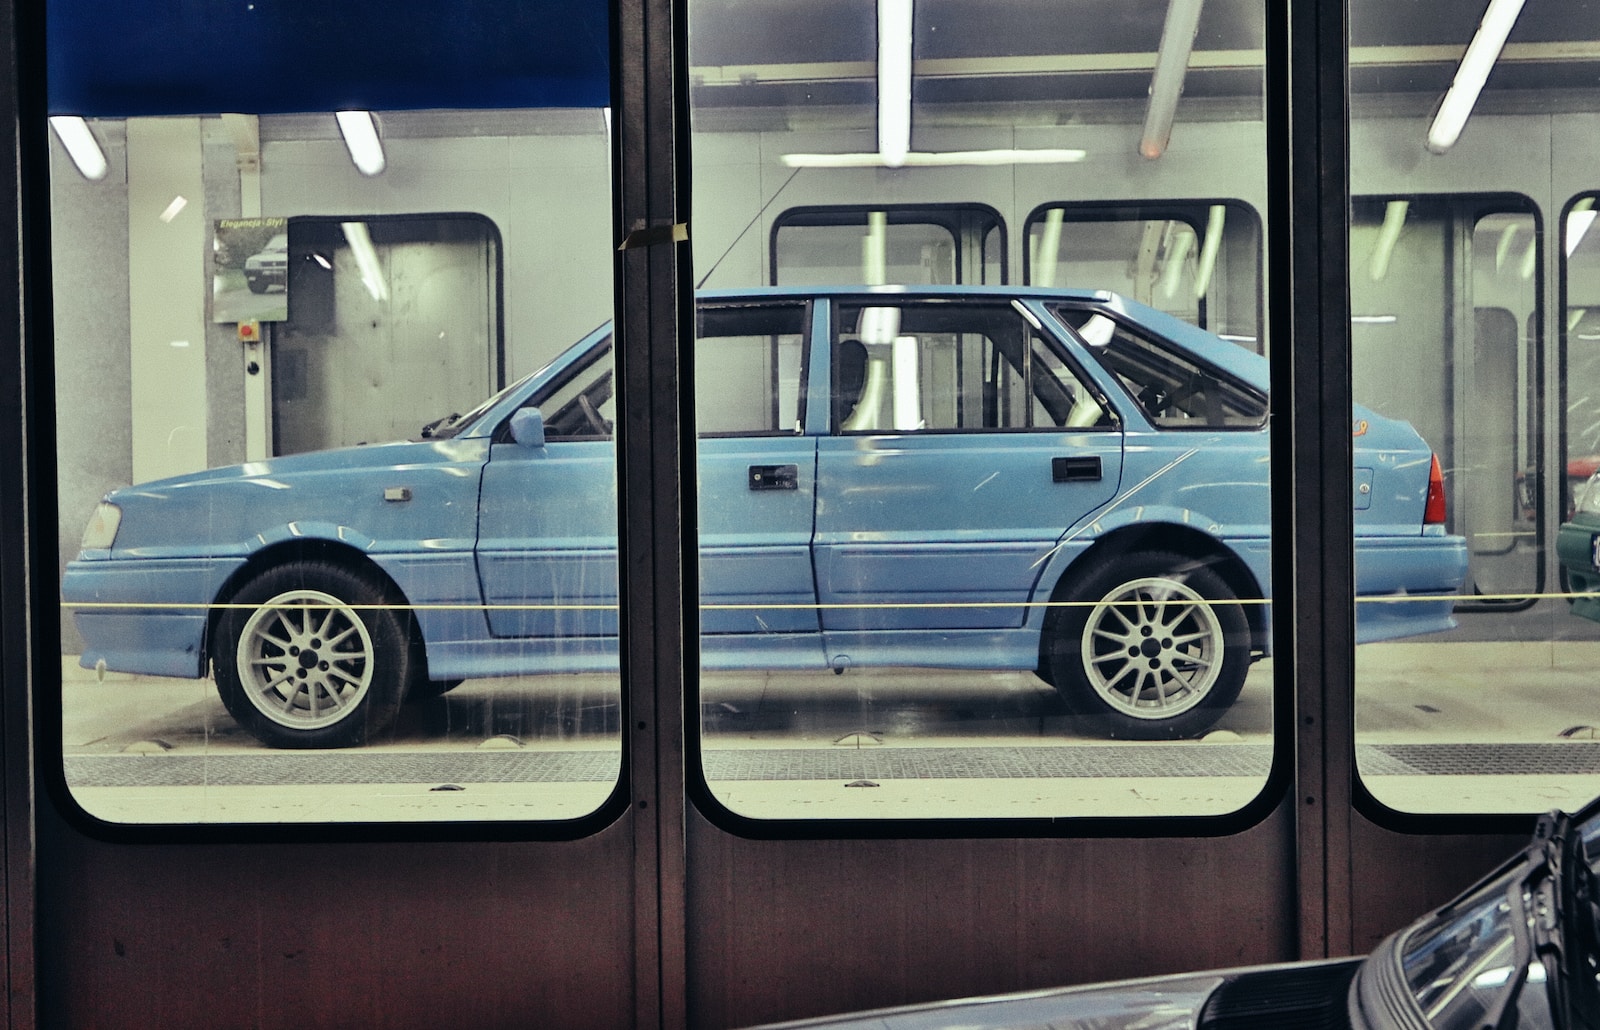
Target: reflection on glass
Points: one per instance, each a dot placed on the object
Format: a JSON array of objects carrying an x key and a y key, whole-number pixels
[
  {"x": 323, "y": 578},
  {"x": 1469, "y": 258},
  {"x": 1197, "y": 262},
  {"x": 949, "y": 243}
]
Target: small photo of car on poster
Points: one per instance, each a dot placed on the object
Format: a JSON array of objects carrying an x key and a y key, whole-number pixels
[{"x": 250, "y": 270}]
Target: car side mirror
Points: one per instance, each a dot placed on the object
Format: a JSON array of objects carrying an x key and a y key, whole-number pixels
[{"x": 527, "y": 427}]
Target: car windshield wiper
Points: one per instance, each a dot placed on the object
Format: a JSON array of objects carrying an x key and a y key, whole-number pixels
[{"x": 440, "y": 427}]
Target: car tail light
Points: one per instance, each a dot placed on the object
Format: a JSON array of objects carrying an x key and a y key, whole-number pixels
[{"x": 1433, "y": 511}]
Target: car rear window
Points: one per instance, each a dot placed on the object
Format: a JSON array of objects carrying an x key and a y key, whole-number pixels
[{"x": 1173, "y": 388}]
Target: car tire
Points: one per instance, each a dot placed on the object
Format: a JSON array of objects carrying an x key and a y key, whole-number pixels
[
  {"x": 314, "y": 654},
  {"x": 256, "y": 285},
  {"x": 1149, "y": 646}
]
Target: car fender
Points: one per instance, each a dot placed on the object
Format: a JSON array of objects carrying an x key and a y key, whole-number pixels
[
  {"x": 433, "y": 579},
  {"x": 1157, "y": 521}
]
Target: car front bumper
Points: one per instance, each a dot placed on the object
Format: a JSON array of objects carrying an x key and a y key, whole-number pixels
[{"x": 144, "y": 615}]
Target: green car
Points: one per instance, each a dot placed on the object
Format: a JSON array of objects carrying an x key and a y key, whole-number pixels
[{"x": 1578, "y": 548}]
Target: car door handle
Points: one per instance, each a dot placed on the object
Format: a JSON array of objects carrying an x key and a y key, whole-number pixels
[
  {"x": 774, "y": 477},
  {"x": 1075, "y": 470}
]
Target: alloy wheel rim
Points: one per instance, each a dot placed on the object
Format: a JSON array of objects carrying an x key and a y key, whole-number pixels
[
  {"x": 305, "y": 659},
  {"x": 1153, "y": 648}
]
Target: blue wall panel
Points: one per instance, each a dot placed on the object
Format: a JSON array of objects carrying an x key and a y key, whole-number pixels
[{"x": 154, "y": 57}]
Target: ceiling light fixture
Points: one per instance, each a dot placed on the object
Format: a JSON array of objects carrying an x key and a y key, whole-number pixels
[
  {"x": 1394, "y": 220},
  {"x": 1579, "y": 219},
  {"x": 1166, "y": 82},
  {"x": 1216, "y": 218},
  {"x": 894, "y": 80},
  {"x": 1472, "y": 73},
  {"x": 360, "y": 240},
  {"x": 916, "y": 159},
  {"x": 1047, "y": 254},
  {"x": 360, "y": 134},
  {"x": 78, "y": 140}
]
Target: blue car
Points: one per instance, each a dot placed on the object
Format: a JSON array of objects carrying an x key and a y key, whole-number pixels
[{"x": 960, "y": 477}]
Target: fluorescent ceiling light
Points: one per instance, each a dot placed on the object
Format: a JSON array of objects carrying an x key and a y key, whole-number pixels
[
  {"x": 76, "y": 136},
  {"x": 174, "y": 208},
  {"x": 1048, "y": 253},
  {"x": 1166, "y": 82},
  {"x": 1472, "y": 73},
  {"x": 360, "y": 240},
  {"x": 1182, "y": 241},
  {"x": 1579, "y": 219},
  {"x": 917, "y": 159},
  {"x": 1394, "y": 220},
  {"x": 875, "y": 255},
  {"x": 1216, "y": 218},
  {"x": 1502, "y": 250},
  {"x": 894, "y": 80},
  {"x": 1374, "y": 319},
  {"x": 361, "y": 138}
]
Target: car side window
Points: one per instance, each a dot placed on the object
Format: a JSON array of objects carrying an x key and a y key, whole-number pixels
[
  {"x": 581, "y": 405},
  {"x": 951, "y": 367},
  {"x": 750, "y": 369},
  {"x": 1174, "y": 390}
]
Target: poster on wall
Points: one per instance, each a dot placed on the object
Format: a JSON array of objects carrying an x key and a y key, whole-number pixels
[{"x": 250, "y": 270}]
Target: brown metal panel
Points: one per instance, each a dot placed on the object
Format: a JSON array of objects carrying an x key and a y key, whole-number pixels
[
  {"x": 786, "y": 929},
  {"x": 1396, "y": 877},
  {"x": 301, "y": 935}
]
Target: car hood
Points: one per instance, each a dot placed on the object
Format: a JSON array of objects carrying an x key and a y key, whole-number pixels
[
  {"x": 1285, "y": 995},
  {"x": 399, "y": 455}
]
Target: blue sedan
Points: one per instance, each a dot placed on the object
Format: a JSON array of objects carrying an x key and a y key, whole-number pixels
[{"x": 960, "y": 477}]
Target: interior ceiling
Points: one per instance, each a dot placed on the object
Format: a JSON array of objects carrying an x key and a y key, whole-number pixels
[{"x": 779, "y": 53}]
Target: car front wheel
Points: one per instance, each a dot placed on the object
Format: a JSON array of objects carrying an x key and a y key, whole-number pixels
[
  {"x": 314, "y": 654},
  {"x": 1148, "y": 646}
]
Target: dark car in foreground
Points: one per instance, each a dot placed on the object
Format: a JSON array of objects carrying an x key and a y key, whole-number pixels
[
  {"x": 959, "y": 477},
  {"x": 1518, "y": 950}
]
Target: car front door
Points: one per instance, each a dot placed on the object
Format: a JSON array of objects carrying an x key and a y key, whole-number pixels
[
  {"x": 547, "y": 517},
  {"x": 547, "y": 514},
  {"x": 962, "y": 447}
]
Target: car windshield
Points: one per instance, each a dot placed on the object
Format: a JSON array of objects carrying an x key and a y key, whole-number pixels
[{"x": 1519, "y": 950}]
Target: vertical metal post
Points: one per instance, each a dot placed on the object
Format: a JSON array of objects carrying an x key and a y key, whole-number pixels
[
  {"x": 1308, "y": 107},
  {"x": 650, "y": 188},
  {"x": 18, "y": 635}
]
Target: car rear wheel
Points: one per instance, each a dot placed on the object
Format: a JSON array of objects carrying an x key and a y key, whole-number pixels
[
  {"x": 314, "y": 654},
  {"x": 1150, "y": 646}
]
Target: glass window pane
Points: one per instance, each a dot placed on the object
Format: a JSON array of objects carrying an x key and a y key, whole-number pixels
[
  {"x": 1467, "y": 290},
  {"x": 348, "y": 476},
  {"x": 1005, "y": 565}
]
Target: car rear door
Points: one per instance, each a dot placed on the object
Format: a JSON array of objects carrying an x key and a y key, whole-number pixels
[{"x": 962, "y": 447}]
